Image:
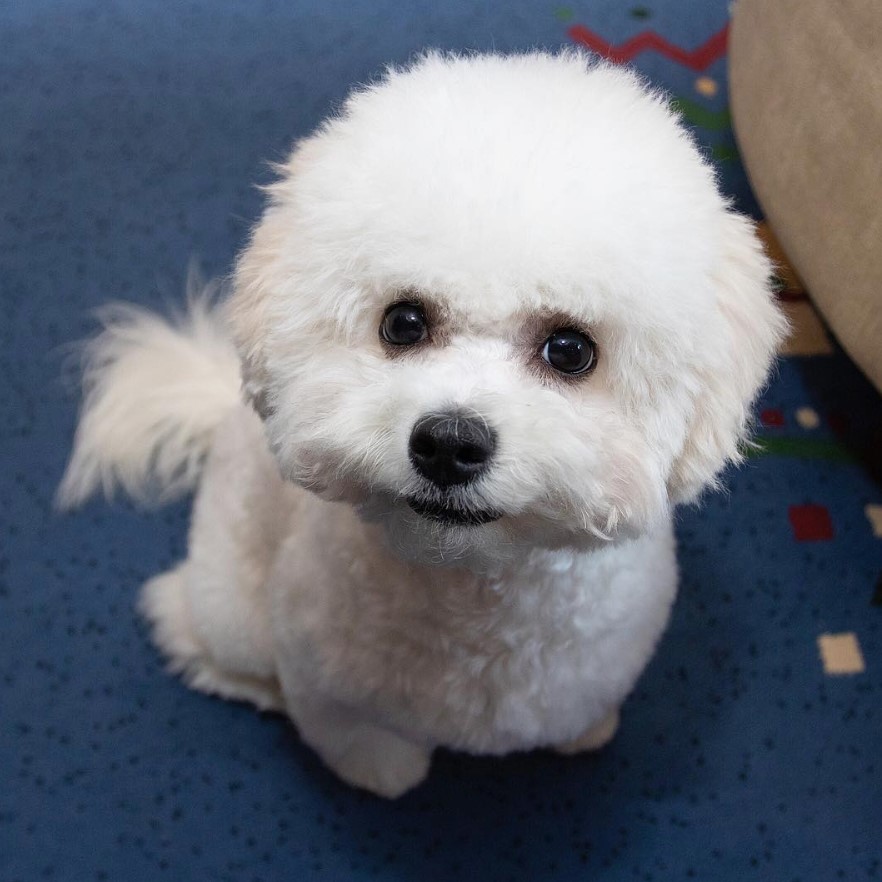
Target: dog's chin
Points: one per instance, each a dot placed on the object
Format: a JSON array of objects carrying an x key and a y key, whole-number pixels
[{"x": 442, "y": 535}]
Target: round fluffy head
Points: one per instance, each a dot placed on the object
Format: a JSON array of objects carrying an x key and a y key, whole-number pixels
[{"x": 507, "y": 199}]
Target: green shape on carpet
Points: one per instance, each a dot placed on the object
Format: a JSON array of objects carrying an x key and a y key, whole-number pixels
[
  {"x": 803, "y": 448},
  {"x": 697, "y": 115},
  {"x": 724, "y": 153}
]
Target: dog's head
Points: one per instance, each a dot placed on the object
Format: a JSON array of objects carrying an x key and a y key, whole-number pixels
[{"x": 499, "y": 303}]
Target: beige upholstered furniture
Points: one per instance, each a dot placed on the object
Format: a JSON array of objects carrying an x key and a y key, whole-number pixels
[{"x": 806, "y": 94}]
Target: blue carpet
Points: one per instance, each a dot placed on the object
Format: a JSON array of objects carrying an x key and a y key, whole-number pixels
[{"x": 132, "y": 133}]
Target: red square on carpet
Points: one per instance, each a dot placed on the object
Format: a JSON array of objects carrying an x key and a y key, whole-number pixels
[
  {"x": 811, "y": 523},
  {"x": 771, "y": 416}
]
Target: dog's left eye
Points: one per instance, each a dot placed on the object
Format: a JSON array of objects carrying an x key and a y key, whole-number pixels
[
  {"x": 404, "y": 324},
  {"x": 569, "y": 352}
]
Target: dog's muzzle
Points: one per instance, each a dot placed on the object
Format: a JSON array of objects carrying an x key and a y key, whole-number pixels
[{"x": 451, "y": 449}]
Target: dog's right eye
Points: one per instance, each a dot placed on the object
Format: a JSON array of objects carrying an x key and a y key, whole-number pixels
[{"x": 404, "y": 324}]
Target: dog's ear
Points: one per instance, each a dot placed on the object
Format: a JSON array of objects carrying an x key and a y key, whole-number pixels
[
  {"x": 748, "y": 329},
  {"x": 262, "y": 272}
]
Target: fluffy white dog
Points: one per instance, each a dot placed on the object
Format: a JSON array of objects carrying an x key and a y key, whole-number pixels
[{"x": 494, "y": 323}]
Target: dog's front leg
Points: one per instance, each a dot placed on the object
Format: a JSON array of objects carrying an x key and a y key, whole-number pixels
[{"x": 361, "y": 753}]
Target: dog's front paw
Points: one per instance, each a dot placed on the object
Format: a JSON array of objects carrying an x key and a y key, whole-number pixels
[
  {"x": 362, "y": 754},
  {"x": 594, "y": 738},
  {"x": 382, "y": 763}
]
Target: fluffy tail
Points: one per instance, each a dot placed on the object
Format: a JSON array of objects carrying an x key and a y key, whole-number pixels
[{"x": 154, "y": 391}]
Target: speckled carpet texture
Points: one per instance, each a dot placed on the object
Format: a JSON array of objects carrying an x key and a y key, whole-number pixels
[{"x": 132, "y": 133}]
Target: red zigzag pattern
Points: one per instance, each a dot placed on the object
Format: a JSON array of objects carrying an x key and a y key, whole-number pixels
[{"x": 698, "y": 59}]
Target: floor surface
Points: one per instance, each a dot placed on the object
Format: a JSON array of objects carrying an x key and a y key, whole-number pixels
[{"x": 132, "y": 136}]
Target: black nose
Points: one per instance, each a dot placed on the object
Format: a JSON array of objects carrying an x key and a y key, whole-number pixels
[{"x": 451, "y": 448}]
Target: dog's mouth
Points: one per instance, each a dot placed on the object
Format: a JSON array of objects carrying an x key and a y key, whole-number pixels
[{"x": 453, "y": 515}]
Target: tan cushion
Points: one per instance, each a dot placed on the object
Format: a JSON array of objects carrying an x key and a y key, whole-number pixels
[{"x": 805, "y": 85}]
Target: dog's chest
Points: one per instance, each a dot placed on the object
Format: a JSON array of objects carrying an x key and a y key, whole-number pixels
[{"x": 481, "y": 664}]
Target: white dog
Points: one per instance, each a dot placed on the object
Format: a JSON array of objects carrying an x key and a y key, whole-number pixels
[{"x": 494, "y": 323}]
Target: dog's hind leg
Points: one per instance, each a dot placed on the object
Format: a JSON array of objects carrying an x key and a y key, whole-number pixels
[
  {"x": 210, "y": 615},
  {"x": 164, "y": 603}
]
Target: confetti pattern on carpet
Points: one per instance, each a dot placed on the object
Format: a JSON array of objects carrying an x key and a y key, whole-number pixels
[{"x": 133, "y": 133}]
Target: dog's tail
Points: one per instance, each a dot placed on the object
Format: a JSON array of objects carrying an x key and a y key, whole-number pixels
[{"x": 154, "y": 392}]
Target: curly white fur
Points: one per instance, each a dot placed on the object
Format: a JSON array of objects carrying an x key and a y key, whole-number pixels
[{"x": 505, "y": 193}]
